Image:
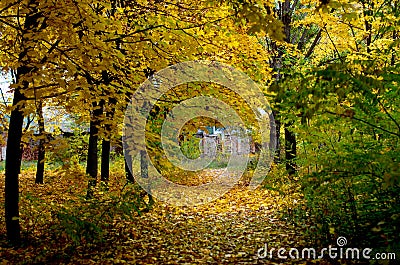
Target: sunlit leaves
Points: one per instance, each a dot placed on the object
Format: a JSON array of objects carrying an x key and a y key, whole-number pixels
[{"x": 108, "y": 229}]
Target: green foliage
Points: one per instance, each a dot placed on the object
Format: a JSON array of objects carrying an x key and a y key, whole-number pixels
[
  {"x": 85, "y": 220},
  {"x": 68, "y": 152},
  {"x": 190, "y": 148},
  {"x": 347, "y": 124},
  {"x": 77, "y": 228}
]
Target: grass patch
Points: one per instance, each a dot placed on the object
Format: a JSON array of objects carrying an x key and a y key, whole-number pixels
[{"x": 24, "y": 165}]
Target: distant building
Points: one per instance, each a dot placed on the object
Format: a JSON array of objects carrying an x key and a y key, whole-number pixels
[
  {"x": 225, "y": 140},
  {"x": 3, "y": 141},
  {"x": 57, "y": 122},
  {"x": 2, "y": 153}
]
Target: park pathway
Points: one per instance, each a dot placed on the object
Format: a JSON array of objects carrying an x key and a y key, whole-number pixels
[{"x": 229, "y": 230}]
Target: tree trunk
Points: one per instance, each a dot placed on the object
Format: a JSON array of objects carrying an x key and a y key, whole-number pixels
[
  {"x": 105, "y": 160},
  {"x": 13, "y": 167},
  {"x": 128, "y": 162},
  {"x": 277, "y": 156},
  {"x": 42, "y": 140},
  {"x": 106, "y": 143},
  {"x": 144, "y": 168},
  {"x": 92, "y": 157},
  {"x": 14, "y": 148},
  {"x": 144, "y": 172},
  {"x": 128, "y": 173},
  {"x": 290, "y": 149}
]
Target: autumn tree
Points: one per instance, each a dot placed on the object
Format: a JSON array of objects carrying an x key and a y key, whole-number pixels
[
  {"x": 349, "y": 121},
  {"x": 13, "y": 156},
  {"x": 290, "y": 41},
  {"x": 49, "y": 59},
  {"x": 41, "y": 148}
]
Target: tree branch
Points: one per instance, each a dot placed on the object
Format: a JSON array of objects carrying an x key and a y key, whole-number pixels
[
  {"x": 314, "y": 44},
  {"x": 366, "y": 122}
]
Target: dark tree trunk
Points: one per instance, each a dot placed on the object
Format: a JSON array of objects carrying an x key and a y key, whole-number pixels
[
  {"x": 285, "y": 11},
  {"x": 277, "y": 156},
  {"x": 41, "y": 151},
  {"x": 105, "y": 160},
  {"x": 14, "y": 148},
  {"x": 144, "y": 168},
  {"x": 290, "y": 149},
  {"x": 106, "y": 143},
  {"x": 144, "y": 172},
  {"x": 13, "y": 167},
  {"x": 92, "y": 157},
  {"x": 128, "y": 173}
]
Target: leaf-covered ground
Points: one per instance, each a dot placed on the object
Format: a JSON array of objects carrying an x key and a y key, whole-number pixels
[{"x": 229, "y": 230}]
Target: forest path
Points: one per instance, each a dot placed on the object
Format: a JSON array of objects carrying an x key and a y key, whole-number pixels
[{"x": 229, "y": 230}]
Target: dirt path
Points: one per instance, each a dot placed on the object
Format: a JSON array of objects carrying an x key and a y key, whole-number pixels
[{"x": 229, "y": 230}]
